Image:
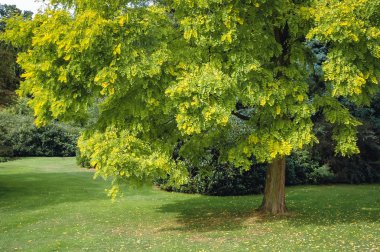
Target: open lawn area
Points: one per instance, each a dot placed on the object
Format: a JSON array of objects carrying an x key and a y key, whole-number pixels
[{"x": 48, "y": 204}]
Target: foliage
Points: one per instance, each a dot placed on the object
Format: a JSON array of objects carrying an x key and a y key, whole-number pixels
[
  {"x": 20, "y": 137},
  {"x": 362, "y": 168},
  {"x": 52, "y": 198},
  {"x": 3, "y": 159},
  {"x": 221, "y": 180},
  {"x": 122, "y": 158},
  {"x": 9, "y": 70},
  {"x": 300, "y": 166},
  {"x": 82, "y": 160},
  {"x": 186, "y": 70}
]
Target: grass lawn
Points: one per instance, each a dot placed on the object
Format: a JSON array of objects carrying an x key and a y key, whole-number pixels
[{"x": 48, "y": 204}]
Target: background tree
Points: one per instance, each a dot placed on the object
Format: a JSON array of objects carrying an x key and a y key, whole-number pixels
[
  {"x": 185, "y": 71},
  {"x": 9, "y": 70}
]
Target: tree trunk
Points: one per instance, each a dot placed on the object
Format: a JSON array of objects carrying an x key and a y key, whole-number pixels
[{"x": 274, "y": 193}]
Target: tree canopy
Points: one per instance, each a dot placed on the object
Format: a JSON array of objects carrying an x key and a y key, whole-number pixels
[{"x": 186, "y": 71}]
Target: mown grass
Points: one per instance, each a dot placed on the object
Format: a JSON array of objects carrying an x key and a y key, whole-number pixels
[{"x": 48, "y": 204}]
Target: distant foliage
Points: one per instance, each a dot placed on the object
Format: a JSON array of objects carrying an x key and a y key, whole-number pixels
[
  {"x": 10, "y": 71},
  {"x": 302, "y": 168},
  {"x": 223, "y": 180},
  {"x": 20, "y": 137},
  {"x": 226, "y": 180},
  {"x": 361, "y": 168}
]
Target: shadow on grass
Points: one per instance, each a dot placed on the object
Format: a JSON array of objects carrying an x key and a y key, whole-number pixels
[
  {"x": 35, "y": 190},
  {"x": 318, "y": 207},
  {"x": 205, "y": 214}
]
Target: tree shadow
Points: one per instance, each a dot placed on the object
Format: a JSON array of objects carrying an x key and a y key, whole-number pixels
[{"x": 203, "y": 214}]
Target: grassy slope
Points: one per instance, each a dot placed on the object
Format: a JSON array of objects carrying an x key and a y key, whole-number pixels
[{"x": 47, "y": 204}]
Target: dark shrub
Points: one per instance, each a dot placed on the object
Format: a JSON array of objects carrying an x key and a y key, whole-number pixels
[
  {"x": 225, "y": 180},
  {"x": 20, "y": 137},
  {"x": 302, "y": 168}
]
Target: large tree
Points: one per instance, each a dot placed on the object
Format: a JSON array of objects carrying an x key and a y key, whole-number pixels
[{"x": 178, "y": 75}]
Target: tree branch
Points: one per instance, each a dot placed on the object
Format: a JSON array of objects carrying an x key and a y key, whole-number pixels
[{"x": 240, "y": 116}]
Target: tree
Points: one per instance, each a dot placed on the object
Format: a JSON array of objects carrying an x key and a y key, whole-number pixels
[
  {"x": 171, "y": 75},
  {"x": 9, "y": 70}
]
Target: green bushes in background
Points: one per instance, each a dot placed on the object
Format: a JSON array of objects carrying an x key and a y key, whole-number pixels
[
  {"x": 19, "y": 137},
  {"x": 303, "y": 167},
  {"x": 225, "y": 180}
]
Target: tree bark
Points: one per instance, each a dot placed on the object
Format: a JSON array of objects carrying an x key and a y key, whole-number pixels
[{"x": 274, "y": 193}]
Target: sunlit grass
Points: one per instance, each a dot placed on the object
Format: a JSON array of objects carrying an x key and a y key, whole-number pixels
[{"x": 48, "y": 204}]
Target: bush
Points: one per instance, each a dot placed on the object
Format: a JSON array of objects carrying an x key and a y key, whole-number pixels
[
  {"x": 225, "y": 180},
  {"x": 321, "y": 175},
  {"x": 232, "y": 181},
  {"x": 19, "y": 137},
  {"x": 361, "y": 168},
  {"x": 298, "y": 167},
  {"x": 302, "y": 168}
]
